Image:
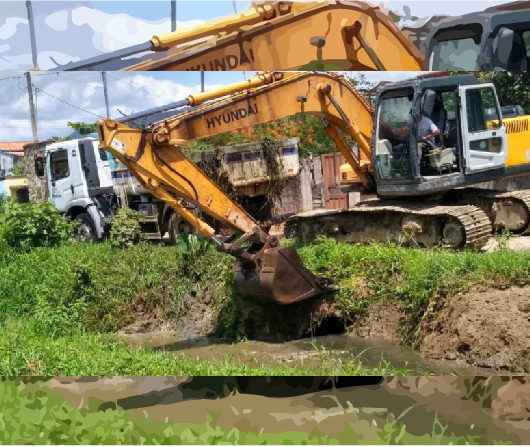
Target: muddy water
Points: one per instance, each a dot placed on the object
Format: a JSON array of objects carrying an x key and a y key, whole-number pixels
[
  {"x": 309, "y": 352},
  {"x": 359, "y": 408}
]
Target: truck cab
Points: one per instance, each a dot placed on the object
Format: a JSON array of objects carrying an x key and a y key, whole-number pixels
[
  {"x": 80, "y": 185},
  {"x": 497, "y": 38}
]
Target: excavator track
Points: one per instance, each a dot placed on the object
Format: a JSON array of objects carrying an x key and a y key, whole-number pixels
[
  {"x": 423, "y": 225},
  {"x": 508, "y": 211}
]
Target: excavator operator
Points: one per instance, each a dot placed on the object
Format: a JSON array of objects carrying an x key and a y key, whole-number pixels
[{"x": 429, "y": 134}]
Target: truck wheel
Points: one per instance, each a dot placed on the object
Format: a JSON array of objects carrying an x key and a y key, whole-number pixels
[
  {"x": 85, "y": 231},
  {"x": 176, "y": 226}
]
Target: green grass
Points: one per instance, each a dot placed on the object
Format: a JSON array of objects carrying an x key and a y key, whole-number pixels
[
  {"x": 25, "y": 352},
  {"x": 29, "y": 416},
  {"x": 412, "y": 277},
  {"x": 112, "y": 285},
  {"x": 60, "y": 306}
]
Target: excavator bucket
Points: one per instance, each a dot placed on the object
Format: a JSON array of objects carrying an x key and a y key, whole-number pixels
[{"x": 279, "y": 277}]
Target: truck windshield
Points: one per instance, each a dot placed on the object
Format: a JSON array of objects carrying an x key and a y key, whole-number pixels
[
  {"x": 456, "y": 49},
  {"x": 392, "y": 148}
]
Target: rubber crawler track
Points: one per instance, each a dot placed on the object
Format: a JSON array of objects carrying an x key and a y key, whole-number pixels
[{"x": 473, "y": 220}]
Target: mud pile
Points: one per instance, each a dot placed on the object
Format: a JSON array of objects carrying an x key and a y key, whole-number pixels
[{"x": 485, "y": 328}]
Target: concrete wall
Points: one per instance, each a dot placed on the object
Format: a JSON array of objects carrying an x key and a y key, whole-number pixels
[
  {"x": 37, "y": 185},
  {"x": 15, "y": 187}
]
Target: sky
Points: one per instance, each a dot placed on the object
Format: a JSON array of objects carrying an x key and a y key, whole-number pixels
[
  {"x": 78, "y": 96},
  {"x": 72, "y": 30}
]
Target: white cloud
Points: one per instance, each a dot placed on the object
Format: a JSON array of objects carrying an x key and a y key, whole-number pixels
[
  {"x": 116, "y": 31},
  {"x": 58, "y": 20},
  {"x": 9, "y": 28},
  {"x": 128, "y": 92},
  {"x": 23, "y": 61}
]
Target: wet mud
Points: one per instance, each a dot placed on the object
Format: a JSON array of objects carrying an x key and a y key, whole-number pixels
[{"x": 492, "y": 409}]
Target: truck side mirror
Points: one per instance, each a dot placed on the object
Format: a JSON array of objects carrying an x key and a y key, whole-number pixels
[{"x": 502, "y": 45}]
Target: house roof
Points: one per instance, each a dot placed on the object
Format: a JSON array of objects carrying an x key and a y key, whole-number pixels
[{"x": 13, "y": 147}]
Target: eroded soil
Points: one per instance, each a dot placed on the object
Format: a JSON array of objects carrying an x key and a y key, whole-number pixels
[
  {"x": 485, "y": 328},
  {"x": 486, "y": 331}
]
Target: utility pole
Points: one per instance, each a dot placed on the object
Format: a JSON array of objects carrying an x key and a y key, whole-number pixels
[
  {"x": 32, "y": 112},
  {"x": 202, "y": 80},
  {"x": 234, "y": 4},
  {"x": 32, "y": 35},
  {"x": 173, "y": 15},
  {"x": 105, "y": 92}
]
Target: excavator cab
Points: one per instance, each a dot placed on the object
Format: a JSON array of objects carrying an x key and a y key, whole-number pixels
[
  {"x": 497, "y": 38},
  {"x": 434, "y": 134}
]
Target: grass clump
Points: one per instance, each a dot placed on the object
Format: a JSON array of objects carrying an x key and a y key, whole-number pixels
[
  {"x": 100, "y": 288},
  {"x": 125, "y": 229},
  {"x": 367, "y": 273}
]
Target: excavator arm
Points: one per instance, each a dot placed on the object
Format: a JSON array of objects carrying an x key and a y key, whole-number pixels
[
  {"x": 276, "y": 35},
  {"x": 273, "y": 96},
  {"x": 155, "y": 157}
]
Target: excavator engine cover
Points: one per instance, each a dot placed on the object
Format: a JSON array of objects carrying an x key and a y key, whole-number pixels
[{"x": 279, "y": 277}]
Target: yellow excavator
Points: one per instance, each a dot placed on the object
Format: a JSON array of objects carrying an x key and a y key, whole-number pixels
[
  {"x": 275, "y": 35},
  {"x": 422, "y": 182}
]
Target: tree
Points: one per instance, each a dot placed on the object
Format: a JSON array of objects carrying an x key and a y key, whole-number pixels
[
  {"x": 83, "y": 128},
  {"x": 512, "y": 88}
]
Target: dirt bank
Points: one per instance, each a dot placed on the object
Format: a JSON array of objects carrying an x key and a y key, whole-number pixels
[{"x": 487, "y": 328}]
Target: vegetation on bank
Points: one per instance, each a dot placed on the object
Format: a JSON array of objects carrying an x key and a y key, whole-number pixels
[
  {"x": 59, "y": 306},
  {"x": 61, "y": 302},
  {"x": 25, "y": 351},
  {"x": 411, "y": 276},
  {"x": 29, "y": 415}
]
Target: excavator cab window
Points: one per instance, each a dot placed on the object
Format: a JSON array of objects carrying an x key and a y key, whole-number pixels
[
  {"x": 437, "y": 133},
  {"x": 393, "y": 134},
  {"x": 511, "y": 47},
  {"x": 456, "y": 48},
  {"x": 482, "y": 112}
]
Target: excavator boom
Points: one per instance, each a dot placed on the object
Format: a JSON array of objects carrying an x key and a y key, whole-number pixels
[
  {"x": 275, "y": 35},
  {"x": 264, "y": 270}
]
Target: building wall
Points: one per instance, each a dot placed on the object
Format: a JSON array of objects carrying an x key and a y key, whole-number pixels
[
  {"x": 10, "y": 186},
  {"x": 37, "y": 185}
]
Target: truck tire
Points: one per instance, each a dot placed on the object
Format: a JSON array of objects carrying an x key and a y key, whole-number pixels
[
  {"x": 177, "y": 225},
  {"x": 85, "y": 231}
]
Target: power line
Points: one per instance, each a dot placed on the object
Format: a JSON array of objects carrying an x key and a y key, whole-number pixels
[
  {"x": 68, "y": 103},
  {"x": 33, "y": 75}
]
